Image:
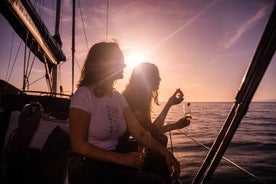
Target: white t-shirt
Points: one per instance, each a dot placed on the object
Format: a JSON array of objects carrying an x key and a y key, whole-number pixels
[{"x": 107, "y": 122}]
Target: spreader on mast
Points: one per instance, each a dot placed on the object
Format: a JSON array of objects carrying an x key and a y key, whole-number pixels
[{"x": 24, "y": 19}]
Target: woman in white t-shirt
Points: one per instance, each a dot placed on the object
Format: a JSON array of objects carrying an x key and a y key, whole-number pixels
[{"x": 98, "y": 117}]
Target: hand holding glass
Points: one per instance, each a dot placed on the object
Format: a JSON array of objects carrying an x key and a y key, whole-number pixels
[
  {"x": 187, "y": 111},
  {"x": 142, "y": 148}
]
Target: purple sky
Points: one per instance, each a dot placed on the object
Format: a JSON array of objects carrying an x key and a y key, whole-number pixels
[{"x": 202, "y": 47}]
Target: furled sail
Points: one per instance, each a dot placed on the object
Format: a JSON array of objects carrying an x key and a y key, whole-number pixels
[{"x": 24, "y": 19}]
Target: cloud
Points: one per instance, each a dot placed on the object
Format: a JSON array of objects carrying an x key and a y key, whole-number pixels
[{"x": 246, "y": 26}]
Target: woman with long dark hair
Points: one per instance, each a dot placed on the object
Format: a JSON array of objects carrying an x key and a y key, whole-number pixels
[
  {"x": 140, "y": 93},
  {"x": 98, "y": 117}
]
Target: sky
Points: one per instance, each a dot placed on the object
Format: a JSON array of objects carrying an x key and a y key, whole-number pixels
[{"x": 203, "y": 47}]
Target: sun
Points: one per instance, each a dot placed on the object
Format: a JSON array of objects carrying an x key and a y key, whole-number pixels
[{"x": 133, "y": 59}]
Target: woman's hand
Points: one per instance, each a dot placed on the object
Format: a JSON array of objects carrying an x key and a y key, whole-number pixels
[
  {"x": 133, "y": 159},
  {"x": 176, "y": 98},
  {"x": 181, "y": 123},
  {"x": 173, "y": 164}
]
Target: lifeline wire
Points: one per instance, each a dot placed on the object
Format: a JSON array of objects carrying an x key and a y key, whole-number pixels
[{"x": 228, "y": 160}]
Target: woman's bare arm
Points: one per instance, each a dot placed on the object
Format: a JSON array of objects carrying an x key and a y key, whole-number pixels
[
  {"x": 79, "y": 123},
  {"x": 143, "y": 136},
  {"x": 176, "y": 98}
]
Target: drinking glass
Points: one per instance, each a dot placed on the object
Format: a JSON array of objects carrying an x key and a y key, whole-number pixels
[
  {"x": 187, "y": 110},
  {"x": 142, "y": 148}
]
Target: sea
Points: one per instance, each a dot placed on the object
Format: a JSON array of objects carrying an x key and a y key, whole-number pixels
[{"x": 253, "y": 147}]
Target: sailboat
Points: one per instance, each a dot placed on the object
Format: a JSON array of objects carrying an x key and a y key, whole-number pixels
[
  {"x": 25, "y": 21},
  {"x": 28, "y": 117}
]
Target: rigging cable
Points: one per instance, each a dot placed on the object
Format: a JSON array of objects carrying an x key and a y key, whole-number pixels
[
  {"x": 73, "y": 41},
  {"x": 28, "y": 73},
  {"x": 29, "y": 69},
  {"x": 25, "y": 79},
  {"x": 15, "y": 59},
  {"x": 61, "y": 91},
  {"x": 10, "y": 56},
  {"x": 73, "y": 45},
  {"x": 60, "y": 81},
  {"x": 107, "y": 16},
  {"x": 226, "y": 159},
  {"x": 84, "y": 31},
  {"x": 37, "y": 79},
  {"x": 39, "y": 6}
]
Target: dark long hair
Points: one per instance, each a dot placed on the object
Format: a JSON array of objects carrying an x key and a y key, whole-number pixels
[
  {"x": 138, "y": 91},
  {"x": 93, "y": 71}
]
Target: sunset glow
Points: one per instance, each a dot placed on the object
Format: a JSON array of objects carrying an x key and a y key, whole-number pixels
[
  {"x": 202, "y": 47},
  {"x": 134, "y": 59}
]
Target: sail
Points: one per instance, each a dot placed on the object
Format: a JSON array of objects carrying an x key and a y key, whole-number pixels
[{"x": 24, "y": 19}]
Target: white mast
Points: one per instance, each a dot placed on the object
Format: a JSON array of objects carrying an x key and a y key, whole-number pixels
[
  {"x": 57, "y": 38},
  {"x": 73, "y": 45}
]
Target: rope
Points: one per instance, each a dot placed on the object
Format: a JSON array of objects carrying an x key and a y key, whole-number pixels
[{"x": 226, "y": 159}]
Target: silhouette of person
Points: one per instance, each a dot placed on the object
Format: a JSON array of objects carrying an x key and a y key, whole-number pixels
[
  {"x": 140, "y": 92},
  {"x": 98, "y": 116}
]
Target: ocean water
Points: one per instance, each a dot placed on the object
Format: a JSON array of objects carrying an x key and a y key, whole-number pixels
[{"x": 253, "y": 146}]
